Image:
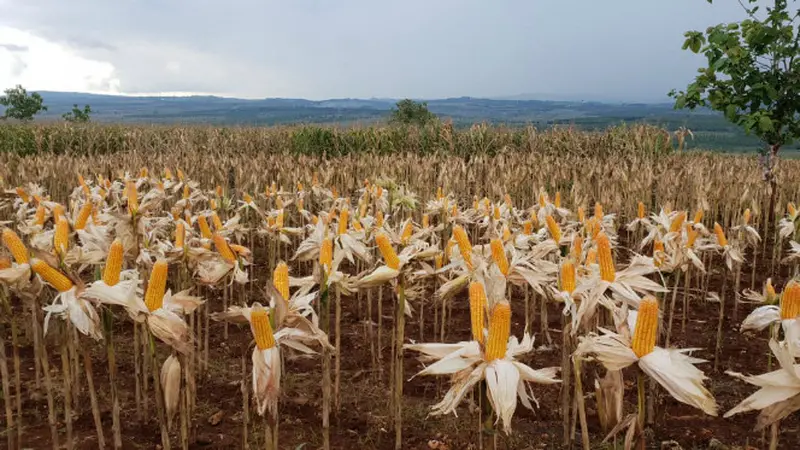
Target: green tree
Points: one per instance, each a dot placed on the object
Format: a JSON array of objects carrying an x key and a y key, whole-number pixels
[
  {"x": 20, "y": 105},
  {"x": 78, "y": 115},
  {"x": 409, "y": 112},
  {"x": 752, "y": 76}
]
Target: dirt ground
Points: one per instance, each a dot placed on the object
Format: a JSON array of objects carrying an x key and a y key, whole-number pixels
[{"x": 363, "y": 420}]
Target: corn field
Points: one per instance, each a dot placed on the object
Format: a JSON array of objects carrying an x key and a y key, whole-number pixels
[{"x": 433, "y": 288}]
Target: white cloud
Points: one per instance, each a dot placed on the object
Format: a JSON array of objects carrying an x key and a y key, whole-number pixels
[{"x": 39, "y": 64}]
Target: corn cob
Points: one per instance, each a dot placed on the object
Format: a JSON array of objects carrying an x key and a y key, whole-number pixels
[
  {"x": 691, "y": 235},
  {"x": 133, "y": 197},
  {"x": 408, "y": 229},
  {"x": 280, "y": 278},
  {"x": 143, "y": 173},
  {"x": 23, "y": 195},
  {"x": 577, "y": 248},
  {"x": 640, "y": 212},
  {"x": 387, "y": 251},
  {"x": 426, "y": 221},
  {"x": 83, "y": 216},
  {"x": 607, "y": 271},
  {"x": 216, "y": 221},
  {"x": 51, "y": 275},
  {"x": 357, "y": 225},
  {"x": 527, "y": 228},
  {"x": 746, "y": 216},
  {"x": 439, "y": 193},
  {"x": 223, "y": 248},
  {"x": 185, "y": 191},
  {"x": 790, "y": 301},
  {"x": 598, "y": 211},
  {"x": 499, "y": 256},
  {"x": 40, "y": 215},
  {"x": 58, "y": 211},
  {"x": 113, "y": 263},
  {"x": 581, "y": 214},
  {"x": 463, "y": 244},
  {"x": 14, "y": 244},
  {"x": 167, "y": 173},
  {"x": 477, "y": 310},
  {"x": 279, "y": 219},
  {"x": 644, "y": 335},
  {"x": 262, "y": 329},
  {"x": 770, "y": 290},
  {"x": 344, "y": 217},
  {"x": 219, "y": 191},
  {"x": 792, "y": 210},
  {"x": 591, "y": 257},
  {"x": 247, "y": 198},
  {"x": 568, "y": 276},
  {"x": 677, "y": 223},
  {"x": 239, "y": 249},
  {"x": 499, "y": 331},
  {"x": 5, "y": 262},
  {"x": 658, "y": 252},
  {"x": 300, "y": 205},
  {"x": 205, "y": 230},
  {"x": 721, "y": 239},
  {"x": 326, "y": 253},
  {"x": 181, "y": 176},
  {"x": 180, "y": 234},
  {"x": 157, "y": 286},
  {"x": 698, "y": 216},
  {"x": 61, "y": 237},
  {"x": 553, "y": 228},
  {"x": 438, "y": 261},
  {"x": 557, "y": 201},
  {"x": 542, "y": 200}
]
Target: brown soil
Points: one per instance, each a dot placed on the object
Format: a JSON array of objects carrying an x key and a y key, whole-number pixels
[{"x": 363, "y": 420}]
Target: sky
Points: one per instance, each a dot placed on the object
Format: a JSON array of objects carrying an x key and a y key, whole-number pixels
[{"x": 625, "y": 50}]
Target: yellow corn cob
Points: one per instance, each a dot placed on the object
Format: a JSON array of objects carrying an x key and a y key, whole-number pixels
[
  {"x": 334, "y": 192},
  {"x": 239, "y": 249},
  {"x": 542, "y": 200},
  {"x": 557, "y": 201},
  {"x": 594, "y": 227},
  {"x": 247, "y": 198},
  {"x": 438, "y": 261},
  {"x": 271, "y": 222},
  {"x": 160, "y": 186},
  {"x": 721, "y": 239},
  {"x": 84, "y": 187},
  {"x": 357, "y": 225},
  {"x": 746, "y": 216},
  {"x": 499, "y": 331},
  {"x": 691, "y": 235},
  {"x": 51, "y": 275},
  {"x": 223, "y": 248},
  {"x": 499, "y": 256},
  {"x": 454, "y": 211},
  {"x": 698, "y": 216},
  {"x": 23, "y": 195},
  {"x": 591, "y": 256},
  {"x": 644, "y": 336},
  {"x": 167, "y": 173},
  {"x": 157, "y": 286},
  {"x": 280, "y": 279},
  {"x": 426, "y": 221},
  {"x": 143, "y": 173},
  {"x": 506, "y": 233},
  {"x": 113, "y": 263},
  {"x": 218, "y": 191},
  {"x": 527, "y": 228},
  {"x": 607, "y": 271},
  {"x": 61, "y": 236},
  {"x": 300, "y": 186},
  {"x": 568, "y": 276},
  {"x": 279, "y": 219},
  {"x": 577, "y": 248},
  {"x": 185, "y": 191},
  {"x": 658, "y": 250},
  {"x": 83, "y": 216},
  {"x": 598, "y": 211},
  {"x": 581, "y": 214},
  {"x": 205, "y": 230},
  {"x": 212, "y": 204},
  {"x": 553, "y": 228},
  {"x": 180, "y": 234},
  {"x": 58, "y": 211},
  {"x": 477, "y": 310},
  {"x": 769, "y": 289},
  {"x": 5, "y": 262},
  {"x": 133, "y": 198},
  {"x": 790, "y": 301},
  {"x": 262, "y": 329},
  {"x": 439, "y": 193},
  {"x": 379, "y": 192},
  {"x": 181, "y": 176},
  {"x": 407, "y": 230},
  {"x": 300, "y": 205},
  {"x": 448, "y": 249},
  {"x": 344, "y": 217},
  {"x": 314, "y": 220},
  {"x": 326, "y": 253},
  {"x": 463, "y": 244},
  {"x": 496, "y": 213},
  {"x": 387, "y": 251},
  {"x": 37, "y": 200},
  {"x": 640, "y": 210},
  {"x": 792, "y": 209},
  {"x": 14, "y": 244},
  {"x": 216, "y": 221},
  {"x": 40, "y": 215},
  {"x": 677, "y": 223},
  {"x": 486, "y": 204}
]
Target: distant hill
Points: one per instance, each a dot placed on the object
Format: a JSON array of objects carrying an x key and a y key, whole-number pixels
[{"x": 711, "y": 130}]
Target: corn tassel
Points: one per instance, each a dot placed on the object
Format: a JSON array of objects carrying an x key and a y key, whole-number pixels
[
  {"x": 790, "y": 301},
  {"x": 280, "y": 279},
  {"x": 387, "y": 251},
  {"x": 607, "y": 271},
  {"x": 644, "y": 336},
  {"x": 113, "y": 263},
  {"x": 499, "y": 256},
  {"x": 477, "y": 310},
  {"x": 51, "y": 275},
  {"x": 499, "y": 331},
  {"x": 14, "y": 244},
  {"x": 157, "y": 286}
]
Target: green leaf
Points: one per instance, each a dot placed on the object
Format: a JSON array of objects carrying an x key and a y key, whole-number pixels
[{"x": 765, "y": 124}]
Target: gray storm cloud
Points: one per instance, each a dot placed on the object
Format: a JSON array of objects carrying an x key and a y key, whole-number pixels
[{"x": 613, "y": 49}]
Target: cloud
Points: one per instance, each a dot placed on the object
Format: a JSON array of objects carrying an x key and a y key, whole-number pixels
[{"x": 626, "y": 49}]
